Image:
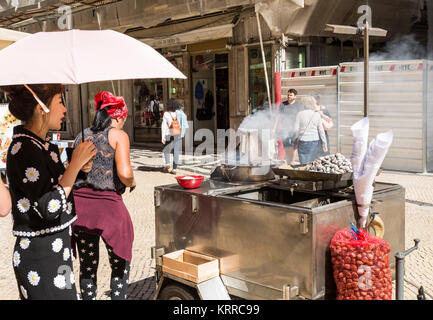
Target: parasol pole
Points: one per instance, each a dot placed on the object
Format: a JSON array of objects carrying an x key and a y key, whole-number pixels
[
  {"x": 98, "y": 18},
  {"x": 81, "y": 113}
]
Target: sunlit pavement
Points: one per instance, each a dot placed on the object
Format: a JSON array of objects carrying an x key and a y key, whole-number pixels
[{"x": 147, "y": 165}]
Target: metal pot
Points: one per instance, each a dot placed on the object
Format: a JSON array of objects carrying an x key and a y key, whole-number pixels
[{"x": 245, "y": 173}]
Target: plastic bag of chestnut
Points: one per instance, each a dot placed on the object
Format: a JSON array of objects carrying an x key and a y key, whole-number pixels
[{"x": 361, "y": 267}]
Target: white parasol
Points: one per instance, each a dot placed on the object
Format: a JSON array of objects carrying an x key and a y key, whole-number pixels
[
  {"x": 80, "y": 56},
  {"x": 7, "y": 37},
  {"x": 366, "y": 164}
]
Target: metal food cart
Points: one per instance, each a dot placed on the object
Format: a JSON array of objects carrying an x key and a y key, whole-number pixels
[{"x": 271, "y": 237}]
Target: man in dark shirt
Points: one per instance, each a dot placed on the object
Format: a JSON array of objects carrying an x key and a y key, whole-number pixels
[{"x": 288, "y": 111}]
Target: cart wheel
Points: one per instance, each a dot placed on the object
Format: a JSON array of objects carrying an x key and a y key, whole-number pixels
[{"x": 177, "y": 292}]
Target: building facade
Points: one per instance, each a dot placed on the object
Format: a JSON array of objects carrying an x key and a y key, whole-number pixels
[{"x": 216, "y": 44}]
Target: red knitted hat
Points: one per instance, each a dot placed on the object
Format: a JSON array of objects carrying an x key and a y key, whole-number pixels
[{"x": 116, "y": 105}]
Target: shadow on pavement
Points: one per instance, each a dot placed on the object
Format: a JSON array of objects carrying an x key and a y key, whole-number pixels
[
  {"x": 139, "y": 290},
  {"x": 142, "y": 290},
  {"x": 150, "y": 168}
]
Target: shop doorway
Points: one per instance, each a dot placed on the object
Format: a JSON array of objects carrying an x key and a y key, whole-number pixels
[
  {"x": 148, "y": 110},
  {"x": 222, "y": 91},
  {"x": 258, "y": 95},
  {"x": 210, "y": 101}
]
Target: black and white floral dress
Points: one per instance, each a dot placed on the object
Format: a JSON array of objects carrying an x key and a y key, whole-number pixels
[{"x": 42, "y": 216}]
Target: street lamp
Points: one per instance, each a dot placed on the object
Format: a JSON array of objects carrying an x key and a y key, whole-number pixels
[{"x": 366, "y": 32}]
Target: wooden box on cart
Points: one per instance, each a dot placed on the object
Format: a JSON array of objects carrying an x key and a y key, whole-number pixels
[{"x": 190, "y": 266}]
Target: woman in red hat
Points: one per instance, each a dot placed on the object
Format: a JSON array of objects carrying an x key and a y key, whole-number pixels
[{"x": 98, "y": 199}]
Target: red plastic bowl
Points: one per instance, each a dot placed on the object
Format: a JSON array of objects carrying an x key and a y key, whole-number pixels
[{"x": 190, "y": 181}]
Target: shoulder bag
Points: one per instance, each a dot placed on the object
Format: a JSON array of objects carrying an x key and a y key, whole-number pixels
[
  {"x": 174, "y": 126},
  {"x": 296, "y": 143}
]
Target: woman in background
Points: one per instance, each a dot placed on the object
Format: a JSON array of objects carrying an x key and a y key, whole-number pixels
[
  {"x": 154, "y": 109},
  {"x": 171, "y": 133},
  {"x": 183, "y": 121},
  {"x": 310, "y": 132},
  {"x": 326, "y": 121},
  {"x": 98, "y": 196}
]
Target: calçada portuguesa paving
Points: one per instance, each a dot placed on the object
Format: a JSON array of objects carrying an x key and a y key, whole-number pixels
[{"x": 140, "y": 203}]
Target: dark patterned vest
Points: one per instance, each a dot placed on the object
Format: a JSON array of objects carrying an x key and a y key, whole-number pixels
[{"x": 103, "y": 175}]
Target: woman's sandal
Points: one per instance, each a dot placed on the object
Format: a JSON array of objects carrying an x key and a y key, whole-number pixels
[{"x": 165, "y": 169}]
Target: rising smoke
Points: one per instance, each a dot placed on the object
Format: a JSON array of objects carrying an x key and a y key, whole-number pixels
[
  {"x": 258, "y": 135},
  {"x": 255, "y": 131},
  {"x": 401, "y": 48}
]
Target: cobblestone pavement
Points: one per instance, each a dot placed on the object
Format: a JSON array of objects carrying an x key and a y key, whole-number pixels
[
  {"x": 147, "y": 165},
  {"x": 419, "y": 224},
  {"x": 147, "y": 169}
]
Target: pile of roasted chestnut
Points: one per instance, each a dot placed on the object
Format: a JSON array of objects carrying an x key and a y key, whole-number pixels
[
  {"x": 334, "y": 163},
  {"x": 361, "y": 267}
]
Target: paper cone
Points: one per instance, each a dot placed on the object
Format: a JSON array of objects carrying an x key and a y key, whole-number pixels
[
  {"x": 366, "y": 164},
  {"x": 360, "y": 142}
]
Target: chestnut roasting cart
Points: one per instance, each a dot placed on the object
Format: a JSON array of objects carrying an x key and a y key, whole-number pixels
[{"x": 265, "y": 239}]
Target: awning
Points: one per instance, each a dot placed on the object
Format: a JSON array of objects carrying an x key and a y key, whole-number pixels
[
  {"x": 199, "y": 35},
  {"x": 8, "y": 37},
  {"x": 309, "y": 17}
]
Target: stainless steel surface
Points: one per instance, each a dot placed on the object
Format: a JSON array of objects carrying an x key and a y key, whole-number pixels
[
  {"x": 158, "y": 287},
  {"x": 157, "y": 252},
  {"x": 277, "y": 238},
  {"x": 303, "y": 223},
  {"x": 241, "y": 288},
  {"x": 300, "y": 174},
  {"x": 212, "y": 289},
  {"x": 194, "y": 204},
  {"x": 290, "y": 292},
  {"x": 157, "y": 195},
  {"x": 315, "y": 185},
  {"x": 243, "y": 173},
  {"x": 215, "y": 187},
  {"x": 179, "y": 279}
]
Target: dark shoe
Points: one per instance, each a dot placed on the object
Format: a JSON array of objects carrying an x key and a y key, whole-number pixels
[
  {"x": 173, "y": 171},
  {"x": 165, "y": 169}
]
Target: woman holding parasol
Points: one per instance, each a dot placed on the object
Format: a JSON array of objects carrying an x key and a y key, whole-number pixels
[
  {"x": 67, "y": 57},
  {"x": 40, "y": 187}
]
